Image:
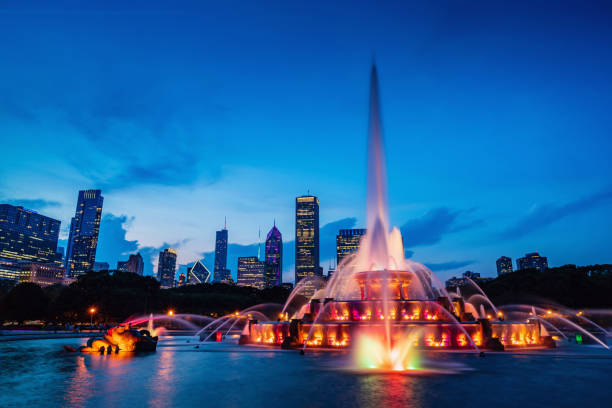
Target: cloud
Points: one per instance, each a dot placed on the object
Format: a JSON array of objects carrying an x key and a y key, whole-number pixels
[
  {"x": 548, "y": 214},
  {"x": 112, "y": 244},
  {"x": 448, "y": 266},
  {"x": 33, "y": 203},
  {"x": 430, "y": 228}
]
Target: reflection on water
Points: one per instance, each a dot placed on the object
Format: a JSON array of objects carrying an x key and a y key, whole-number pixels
[{"x": 39, "y": 373}]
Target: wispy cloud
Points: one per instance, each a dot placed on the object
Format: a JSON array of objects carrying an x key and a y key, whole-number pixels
[
  {"x": 548, "y": 214},
  {"x": 33, "y": 203},
  {"x": 431, "y": 227}
]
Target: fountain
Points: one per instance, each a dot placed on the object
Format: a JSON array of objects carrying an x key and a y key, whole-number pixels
[{"x": 389, "y": 306}]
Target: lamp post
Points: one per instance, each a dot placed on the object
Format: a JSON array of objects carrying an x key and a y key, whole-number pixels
[{"x": 91, "y": 313}]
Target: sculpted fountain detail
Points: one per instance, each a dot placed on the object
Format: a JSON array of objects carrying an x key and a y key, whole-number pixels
[{"x": 385, "y": 304}]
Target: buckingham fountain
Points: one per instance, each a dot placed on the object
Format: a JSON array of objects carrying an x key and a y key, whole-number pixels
[{"x": 380, "y": 301}]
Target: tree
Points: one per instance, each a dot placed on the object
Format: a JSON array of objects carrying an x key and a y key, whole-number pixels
[{"x": 26, "y": 301}]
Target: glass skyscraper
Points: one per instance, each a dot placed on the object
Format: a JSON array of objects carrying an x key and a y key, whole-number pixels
[
  {"x": 347, "y": 242},
  {"x": 84, "y": 230},
  {"x": 504, "y": 265},
  {"x": 166, "y": 267},
  {"x": 250, "y": 272},
  {"x": 222, "y": 274},
  {"x": 274, "y": 258},
  {"x": 198, "y": 273},
  {"x": 307, "y": 239},
  {"x": 26, "y": 235}
]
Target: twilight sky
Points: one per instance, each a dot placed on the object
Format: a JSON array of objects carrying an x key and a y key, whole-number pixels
[{"x": 497, "y": 123}]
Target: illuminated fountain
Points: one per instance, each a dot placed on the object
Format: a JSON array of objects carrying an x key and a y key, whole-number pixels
[{"x": 388, "y": 306}]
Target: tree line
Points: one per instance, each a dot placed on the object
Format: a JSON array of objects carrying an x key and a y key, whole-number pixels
[{"x": 118, "y": 295}]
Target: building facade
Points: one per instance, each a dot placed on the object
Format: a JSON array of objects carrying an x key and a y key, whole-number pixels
[
  {"x": 274, "y": 258},
  {"x": 42, "y": 274},
  {"x": 26, "y": 235},
  {"x": 84, "y": 230},
  {"x": 307, "y": 239},
  {"x": 532, "y": 261},
  {"x": 251, "y": 272},
  {"x": 134, "y": 264},
  {"x": 222, "y": 274},
  {"x": 198, "y": 273},
  {"x": 166, "y": 267},
  {"x": 504, "y": 265},
  {"x": 347, "y": 242}
]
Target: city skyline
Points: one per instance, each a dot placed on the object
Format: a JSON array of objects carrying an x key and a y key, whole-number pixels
[{"x": 494, "y": 146}]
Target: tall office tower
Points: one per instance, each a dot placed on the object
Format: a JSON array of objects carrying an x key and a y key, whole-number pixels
[
  {"x": 250, "y": 272},
  {"x": 166, "y": 268},
  {"x": 347, "y": 242},
  {"x": 26, "y": 235},
  {"x": 274, "y": 258},
  {"x": 198, "y": 273},
  {"x": 504, "y": 265},
  {"x": 182, "y": 280},
  {"x": 532, "y": 260},
  {"x": 307, "y": 240},
  {"x": 222, "y": 274},
  {"x": 84, "y": 230},
  {"x": 134, "y": 264}
]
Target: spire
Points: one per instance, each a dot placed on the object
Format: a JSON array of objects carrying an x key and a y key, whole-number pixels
[
  {"x": 225, "y": 222},
  {"x": 259, "y": 245}
]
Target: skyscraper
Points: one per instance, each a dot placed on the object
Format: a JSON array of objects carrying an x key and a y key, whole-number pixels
[
  {"x": 532, "y": 260},
  {"x": 101, "y": 266},
  {"x": 198, "y": 273},
  {"x": 307, "y": 239},
  {"x": 504, "y": 265},
  {"x": 182, "y": 280},
  {"x": 166, "y": 268},
  {"x": 134, "y": 264},
  {"x": 274, "y": 258},
  {"x": 84, "y": 230},
  {"x": 222, "y": 274},
  {"x": 250, "y": 272},
  {"x": 26, "y": 235},
  {"x": 347, "y": 242}
]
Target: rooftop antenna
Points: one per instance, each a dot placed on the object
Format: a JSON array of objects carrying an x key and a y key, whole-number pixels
[
  {"x": 259, "y": 245},
  {"x": 275, "y": 222},
  {"x": 225, "y": 222}
]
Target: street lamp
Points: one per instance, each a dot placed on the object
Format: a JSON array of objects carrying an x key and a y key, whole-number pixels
[{"x": 92, "y": 310}]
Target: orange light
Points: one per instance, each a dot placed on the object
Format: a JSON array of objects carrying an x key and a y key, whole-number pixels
[
  {"x": 549, "y": 312},
  {"x": 92, "y": 310},
  {"x": 500, "y": 314},
  {"x": 170, "y": 312}
]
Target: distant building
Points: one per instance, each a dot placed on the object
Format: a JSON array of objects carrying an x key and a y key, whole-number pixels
[
  {"x": 166, "y": 268},
  {"x": 26, "y": 235},
  {"x": 287, "y": 285},
  {"x": 504, "y": 265},
  {"x": 84, "y": 230},
  {"x": 198, "y": 273},
  {"x": 134, "y": 264},
  {"x": 42, "y": 274},
  {"x": 347, "y": 242},
  {"x": 307, "y": 240},
  {"x": 274, "y": 258},
  {"x": 222, "y": 274},
  {"x": 454, "y": 282},
  {"x": 101, "y": 266},
  {"x": 251, "y": 272},
  {"x": 182, "y": 280},
  {"x": 532, "y": 261},
  {"x": 330, "y": 273}
]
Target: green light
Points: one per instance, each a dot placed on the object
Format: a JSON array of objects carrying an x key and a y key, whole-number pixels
[{"x": 579, "y": 338}]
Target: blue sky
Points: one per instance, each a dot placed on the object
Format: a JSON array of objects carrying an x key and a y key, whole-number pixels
[{"x": 496, "y": 119}]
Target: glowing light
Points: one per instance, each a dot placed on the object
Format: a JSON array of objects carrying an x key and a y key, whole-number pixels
[
  {"x": 92, "y": 310},
  {"x": 170, "y": 312}
]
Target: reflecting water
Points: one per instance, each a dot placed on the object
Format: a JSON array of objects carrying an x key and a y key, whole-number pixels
[{"x": 38, "y": 373}]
